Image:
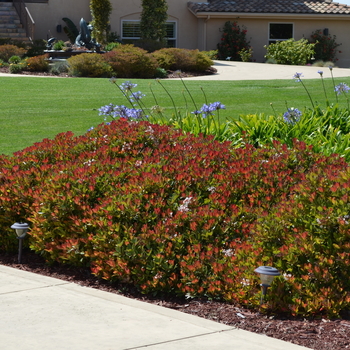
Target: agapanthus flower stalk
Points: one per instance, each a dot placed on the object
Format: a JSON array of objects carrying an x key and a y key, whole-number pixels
[
  {"x": 297, "y": 77},
  {"x": 324, "y": 89}
]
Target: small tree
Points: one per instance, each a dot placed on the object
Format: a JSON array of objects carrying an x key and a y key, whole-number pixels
[
  {"x": 153, "y": 18},
  {"x": 233, "y": 41},
  {"x": 100, "y": 12},
  {"x": 325, "y": 46}
]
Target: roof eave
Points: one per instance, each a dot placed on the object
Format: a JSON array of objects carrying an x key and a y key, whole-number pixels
[{"x": 309, "y": 16}]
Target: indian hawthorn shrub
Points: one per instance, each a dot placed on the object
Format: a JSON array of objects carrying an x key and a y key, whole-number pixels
[
  {"x": 182, "y": 59},
  {"x": 148, "y": 205},
  {"x": 7, "y": 51},
  {"x": 37, "y": 63},
  {"x": 128, "y": 61},
  {"x": 89, "y": 65}
]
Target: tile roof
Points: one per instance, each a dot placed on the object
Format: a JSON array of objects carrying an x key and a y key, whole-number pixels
[{"x": 270, "y": 6}]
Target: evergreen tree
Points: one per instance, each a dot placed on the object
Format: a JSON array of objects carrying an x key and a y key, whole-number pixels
[
  {"x": 100, "y": 12},
  {"x": 153, "y": 18}
]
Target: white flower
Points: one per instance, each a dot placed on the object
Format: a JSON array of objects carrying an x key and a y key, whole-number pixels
[
  {"x": 228, "y": 252},
  {"x": 184, "y": 206},
  {"x": 211, "y": 189}
]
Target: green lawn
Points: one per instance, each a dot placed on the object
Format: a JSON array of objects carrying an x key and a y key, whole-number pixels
[{"x": 35, "y": 108}]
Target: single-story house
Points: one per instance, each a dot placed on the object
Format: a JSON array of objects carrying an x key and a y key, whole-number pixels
[{"x": 196, "y": 24}]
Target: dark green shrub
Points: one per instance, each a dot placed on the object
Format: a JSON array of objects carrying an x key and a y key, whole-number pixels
[
  {"x": 7, "y": 51},
  {"x": 9, "y": 41},
  {"x": 325, "y": 46},
  {"x": 182, "y": 59},
  {"x": 89, "y": 65},
  {"x": 233, "y": 41},
  {"x": 16, "y": 68},
  {"x": 36, "y": 48},
  {"x": 150, "y": 45},
  {"x": 37, "y": 63},
  {"x": 3, "y": 64},
  {"x": 290, "y": 52},
  {"x": 128, "y": 61},
  {"x": 161, "y": 73},
  {"x": 15, "y": 59}
]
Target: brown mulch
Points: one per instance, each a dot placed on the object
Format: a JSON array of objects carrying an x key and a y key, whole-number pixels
[
  {"x": 171, "y": 74},
  {"x": 318, "y": 334}
]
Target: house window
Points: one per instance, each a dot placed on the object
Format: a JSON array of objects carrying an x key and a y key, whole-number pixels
[
  {"x": 131, "y": 32},
  {"x": 280, "y": 32}
]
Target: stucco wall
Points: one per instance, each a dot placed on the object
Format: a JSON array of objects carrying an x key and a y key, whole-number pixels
[
  {"x": 257, "y": 34},
  {"x": 47, "y": 16},
  {"x": 203, "y": 33}
]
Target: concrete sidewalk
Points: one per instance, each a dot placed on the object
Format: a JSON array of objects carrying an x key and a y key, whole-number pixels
[
  {"x": 231, "y": 70},
  {"x": 39, "y": 312}
]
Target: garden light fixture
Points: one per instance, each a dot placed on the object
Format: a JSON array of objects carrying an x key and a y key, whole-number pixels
[
  {"x": 21, "y": 231},
  {"x": 267, "y": 274}
]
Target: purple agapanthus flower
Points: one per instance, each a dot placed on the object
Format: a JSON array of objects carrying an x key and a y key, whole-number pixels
[
  {"x": 136, "y": 96},
  {"x": 127, "y": 113},
  {"x": 292, "y": 115},
  {"x": 209, "y": 109},
  {"x": 297, "y": 77},
  {"x": 217, "y": 105},
  {"x": 341, "y": 88},
  {"x": 120, "y": 112},
  {"x": 128, "y": 86},
  {"x": 206, "y": 110},
  {"x": 107, "y": 110}
]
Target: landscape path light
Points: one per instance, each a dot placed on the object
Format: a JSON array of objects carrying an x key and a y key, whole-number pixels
[
  {"x": 267, "y": 274},
  {"x": 21, "y": 231}
]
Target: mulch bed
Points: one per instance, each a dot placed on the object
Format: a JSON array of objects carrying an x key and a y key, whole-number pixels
[
  {"x": 318, "y": 334},
  {"x": 171, "y": 74}
]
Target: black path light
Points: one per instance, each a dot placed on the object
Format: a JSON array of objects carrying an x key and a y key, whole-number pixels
[
  {"x": 21, "y": 231},
  {"x": 267, "y": 274}
]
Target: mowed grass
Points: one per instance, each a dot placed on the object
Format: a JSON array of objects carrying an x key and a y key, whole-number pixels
[{"x": 34, "y": 108}]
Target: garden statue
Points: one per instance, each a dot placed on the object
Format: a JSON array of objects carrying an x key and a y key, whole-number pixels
[
  {"x": 50, "y": 43},
  {"x": 84, "y": 37}
]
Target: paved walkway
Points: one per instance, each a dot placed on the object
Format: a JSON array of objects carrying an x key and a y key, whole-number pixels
[
  {"x": 229, "y": 70},
  {"x": 39, "y": 312}
]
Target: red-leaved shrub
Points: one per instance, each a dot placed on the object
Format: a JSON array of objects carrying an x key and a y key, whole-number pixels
[{"x": 167, "y": 212}]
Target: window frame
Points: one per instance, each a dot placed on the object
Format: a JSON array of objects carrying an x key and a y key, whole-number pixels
[
  {"x": 133, "y": 39},
  {"x": 272, "y": 40}
]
